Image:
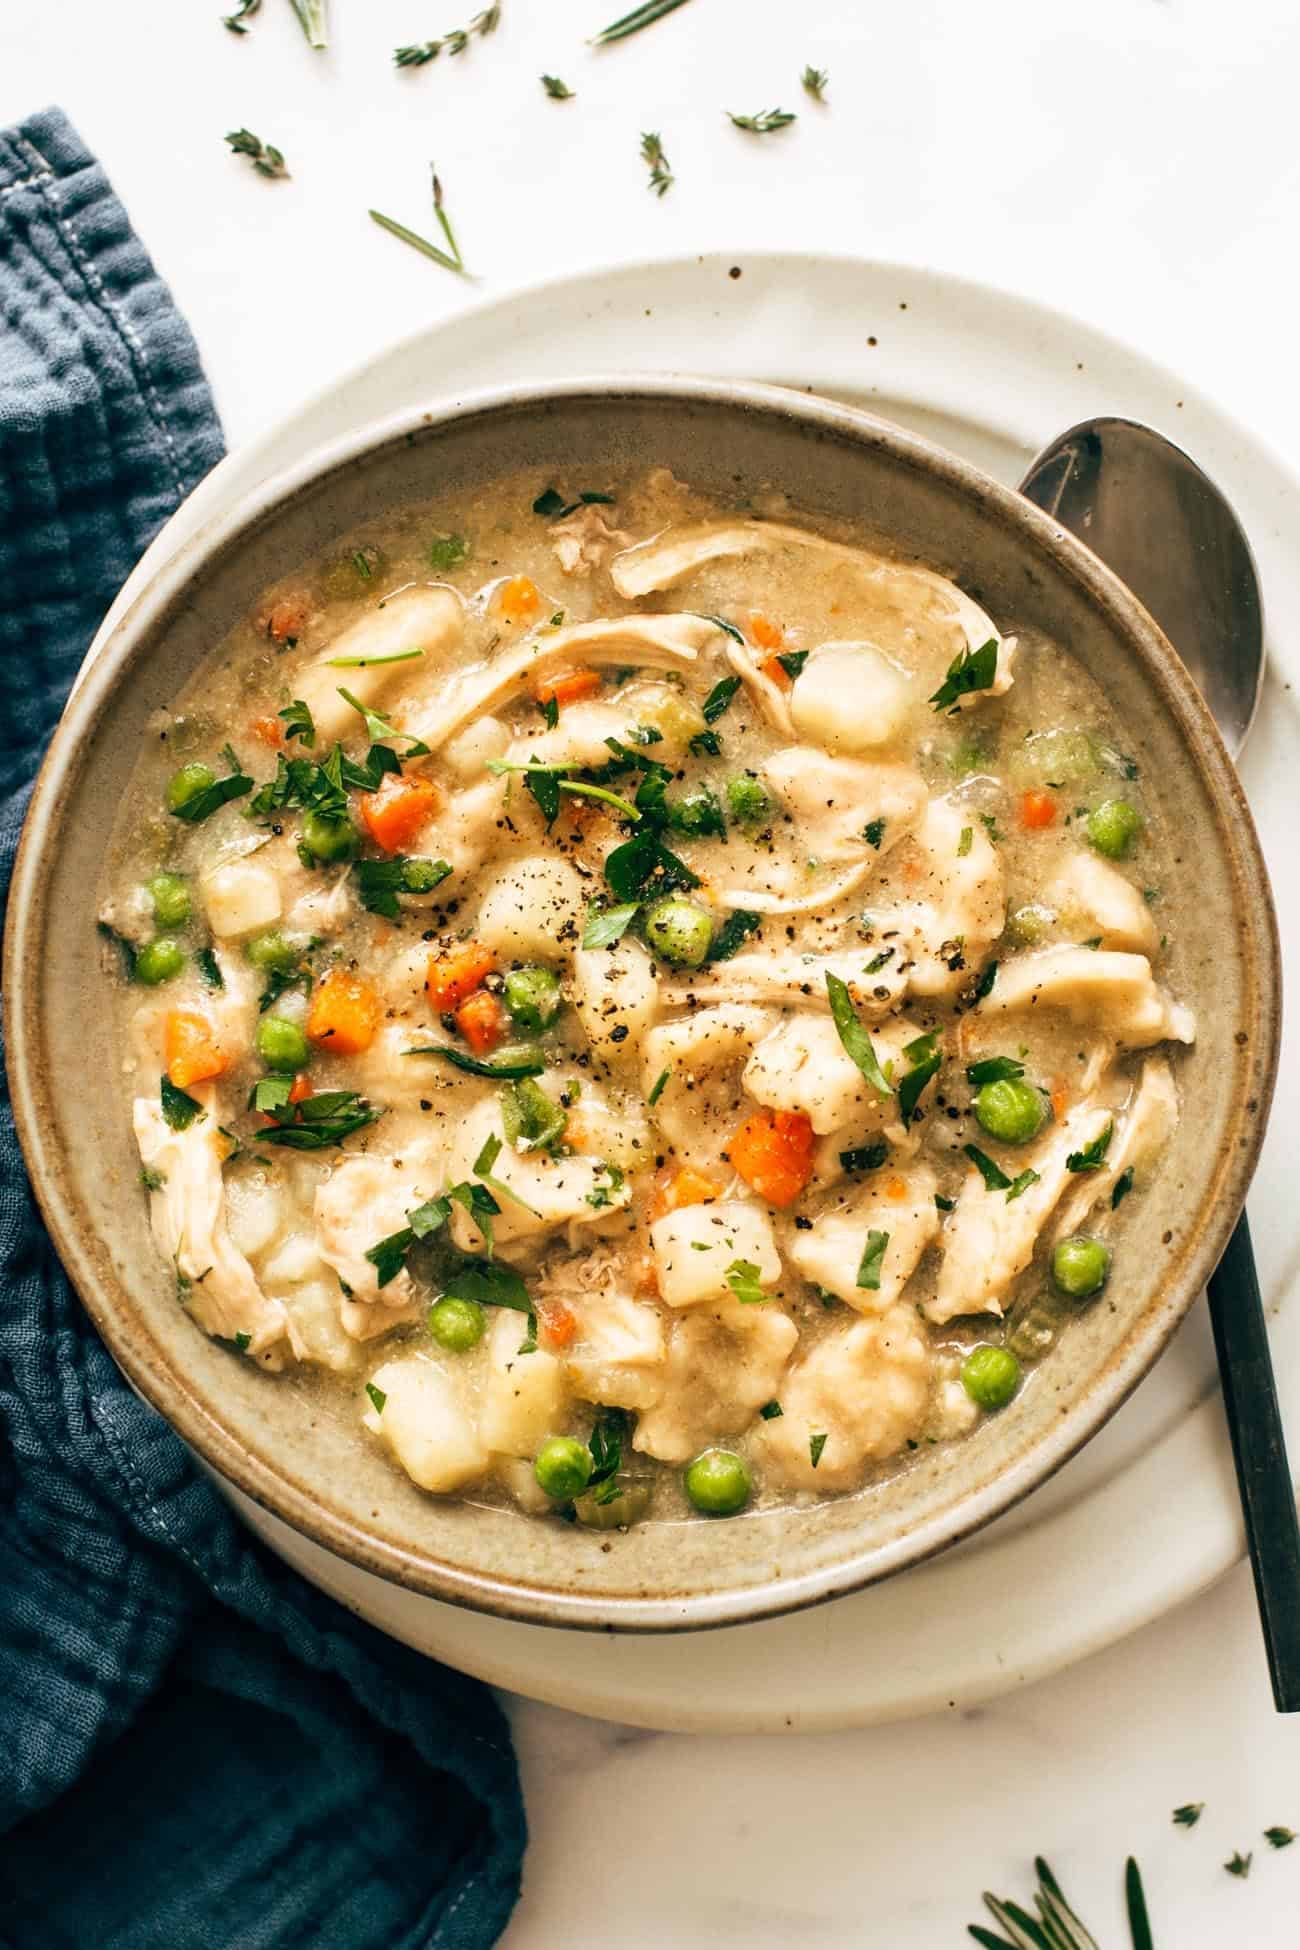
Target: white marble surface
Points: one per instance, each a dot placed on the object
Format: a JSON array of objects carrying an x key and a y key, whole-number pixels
[{"x": 1132, "y": 160}]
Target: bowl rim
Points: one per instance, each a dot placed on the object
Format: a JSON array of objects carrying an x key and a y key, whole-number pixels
[{"x": 256, "y": 1474}]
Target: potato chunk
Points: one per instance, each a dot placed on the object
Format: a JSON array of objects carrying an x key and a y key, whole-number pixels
[
  {"x": 865, "y": 1389},
  {"x": 850, "y": 697},
  {"x": 524, "y": 1396},
  {"x": 425, "y": 1424},
  {"x": 531, "y": 911},
  {"x": 241, "y": 898}
]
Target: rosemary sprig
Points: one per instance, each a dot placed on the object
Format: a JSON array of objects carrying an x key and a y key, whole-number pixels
[
  {"x": 311, "y": 15},
  {"x": 764, "y": 123},
  {"x": 1056, "y": 1926},
  {"x": 456, "y": 42},
  {"x": 642, "y": 16},
  {"x": 265, "y": 158},
  {"x": 559, "y": 91},
  {"x": 235, "y": 21},
  {"x": 652, "y": 154},
  {"x": 814, "y": 81},
  {"x": 450, "y": 259}
]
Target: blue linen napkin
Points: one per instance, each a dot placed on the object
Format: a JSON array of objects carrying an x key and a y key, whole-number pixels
[{"x": 197, "y": 1750}]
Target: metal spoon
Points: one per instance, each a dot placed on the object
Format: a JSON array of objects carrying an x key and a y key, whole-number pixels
[{"x": 1160, "y": 523}]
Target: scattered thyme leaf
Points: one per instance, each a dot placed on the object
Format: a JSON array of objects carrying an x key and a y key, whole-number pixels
[
  {"x": 266, "y": 159},
  {"x": 559, "y": 91},
  {"x": 765, "y": 123},
  {"x": 455, "y": 42},
  {"x": 655, "y": 160},
  {"x": 244, "y": 11},
  {"x": 451, "y": 258},
  {"x": 1189, "y": 1814},
  {"x": 814, "y": 82},
  {"x": 1279, "y": 1837},
  {"x": 1239, "y": 1864}
]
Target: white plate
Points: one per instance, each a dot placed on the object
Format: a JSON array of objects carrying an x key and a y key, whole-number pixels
[{"x": 1147, "y": 1514}]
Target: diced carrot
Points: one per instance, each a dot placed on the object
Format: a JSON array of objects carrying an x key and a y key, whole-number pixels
[
  {"x": 519, "y": 599},
  {"x": 300, "y": 1089},
  {"x": 896, "y": 1188},
  {"x": 287, "y": 618},
  {"x": 458, "y": 973},
  {"x": 683, "y": 1187},
  {"x": 191, "y": 1048},
  {"x": 481, "y": 1020},
  {"x": 1060, "y": 1097},
  {"x": 270, "y": 731},
  {"x": 912, "y": 871},
  {"x": 775, "y": 670},
  {"x": 567, "y": 686},
  {"x": 345, "y": 1013},
  {"x": 1037, "y": 809},
  {"x": 558, "y": 1323},
  {"x": 765, "y": 633},
  {"x": 399, "y": 810},
  {"x": 580, "y": 1134},
  {"x": 773, "y": 1152}
]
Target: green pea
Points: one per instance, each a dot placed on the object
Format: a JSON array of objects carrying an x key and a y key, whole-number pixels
[
  {"x": 1080, "y": 1267},
  {"x": 457, "y": 1325},
  {"x": 990, "y": 1375},
  {"x": 748, "y": 800},
  {"x": 273, "y": 952},
  {"x": 563, "y": 1467},
  {"x": 170, "y": 895},
  {"x": 1113, "y": 826},
  {"x": 717, "y": 1483},
  {"x": 1011, "y": 1110},
  {"x": 679, "y": 932},
  {"x": 282, "y": 1045},
  {"x": 532, "y": 995},
  {"x": 697, "y": 814},
  {"x": 159, "y": 961},
  {"x": 1029, "y": 924},
  {"x": 328, "y": 839},
  {"x": 187, "y": 784}
]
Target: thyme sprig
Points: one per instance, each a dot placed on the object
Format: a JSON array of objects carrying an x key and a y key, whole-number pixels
[
  {"x": 311, "y": 17},
  {"x": 559, "y": 91},
  {"x": 652, "y": 155},
  {"x": 264, "y": 156},
  {"x": 764, "y": 123},
  {"x": 642, "y": 16},
  {"x": 450, "y": 259},
  {"x": 814, "y": 82},
  {"x": 243, "y": 12},
  {"x": 420, "y": 52}
]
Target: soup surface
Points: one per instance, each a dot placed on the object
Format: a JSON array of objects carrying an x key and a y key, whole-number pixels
[{"x": 661, "y": 1003}]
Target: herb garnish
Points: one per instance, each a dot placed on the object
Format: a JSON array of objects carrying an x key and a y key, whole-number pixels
[
  {"x": 865, "y": 1157},
  {"x": 552, "y": 504},
  {"x": 943, "y": 1204},
  {"x": 453, "y": 43},
  {"x": 559, "y": 91},
  {"x": 792, "y": 661},
  {"x": 377, "y": 1397},
  {"x": 450, "y": 259},
  {"x": 265, "y": 158},
  {"x": 734, "y": 933},
  {"x": 873, "y": 1254},
  {"x": 379, "y": 882},
  {"x": 490, "y": 1284},
  {"x": 605, "y": 1186},
  {"x": 857, "y": 1043},
  {"x": 547, "y": 782},
  {"x": 322, "y": 1120},
  {"x": 742, "y": 1276},
  {"x": 993, "y": 1069},
  {"x": 153, "y": 1181},
  {"x": 1093, "y": 1156},
  {"x": 210, "y": 798},
  {"x": 965, "y": 841},
  {"x": 764, "y": 123},
  {"x": 179, "y": 1109},
  {"x": 644, "y": 864},
  {"x": 235, "y": 21},
  {"x": 1279, "y": 1837},
  {"x": 658, "y": 1087},
  {"x": 1189, "y": 1814},
  {"x": 816, "y": 1443},
  {"x": 530, "y": 1117},
  {"x": 298, "y": 722},
  {"x": 814, "y": 81},
  {"x": 643, "y": 16},
  {"x": 1123, "y": 1186},
  {"x": 1239, "y": 1864},
  {"x": 970, "y": 670},
  {"x": 367, "y": 663},
  {"x": 984, "y": 986},
  {"x": 604, "y": 926},
  {"x": 719, "y": 698},
  {"x": 388, "y": 1256},
  {"x": 1021, "y": 1184},
  {"x": 125, "y": 948},
  {"x": 655, "y": 160},
  {"x": 378, "y": 727},
  {"x": 771, "y": 1411},
  {"x": 705, "y": 744},
  {"x": 994, "y": 1177},
  {"x": 874, "y": 832},
  {"x": 514, "y": 1063},
  {"x": 924, "y": 1059}
]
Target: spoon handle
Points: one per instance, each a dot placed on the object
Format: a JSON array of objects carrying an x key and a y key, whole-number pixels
[{"x": 1259, "y": 1450}]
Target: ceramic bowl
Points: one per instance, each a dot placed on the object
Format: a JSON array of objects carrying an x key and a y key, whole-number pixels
[{"x": 298, "y": 1451}]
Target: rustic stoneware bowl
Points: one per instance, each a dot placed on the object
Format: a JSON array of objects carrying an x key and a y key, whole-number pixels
[{"x": 301, "y": 1454}]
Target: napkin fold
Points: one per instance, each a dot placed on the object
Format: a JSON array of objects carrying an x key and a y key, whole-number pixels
[{"x": 197, "y": 1750}]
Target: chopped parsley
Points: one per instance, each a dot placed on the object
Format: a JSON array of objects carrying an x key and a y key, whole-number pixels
[
  {"x": 447, "y": 551},
  {"x": 551, "y": 504},
  {"x": 490, "y": 1284},
  {"x": 965, "y": 841},
  {"x": 153, "y": 1181},
  {"x": 1093, "y": 1156},
  {"x": 723, "y": 691},
  {"x": 1189, "y": 1814},
  {"x": 514, "y": 1063},
  {"x": 179, "y": 1109},
  {"x": 320, "y": 1121},
  {"x": 606, "y": 925},
  {"x": 1239, "y": 1864},
  {"x": 379, "y": 882},
  {"x": 243, "y": 1342},
  {"x": 792, "y": 661},
  {"x": 706, "y": 744},
  {"x": 993, "y": 1175},
  {"x": 378, "y": 727},
  {"x": 970, "y": 670},
  {"x": 1123, "y": 1186},
  {"x": 865, "y": 1157},
  {"x": 771, "y": 1411},
  {"x": 993, "y": 1069},
  {"x": 210, "y": 798},
  {"x": 733, "y": 934},
  {"x": 742, "y": 1276},
  {"x": 945, "y": 1204},
  {"x": 857, "y": 1043},
  {"x": 984, "y": 986},
  {"x": 737, "y": 636},
  {"x": 873, "y": 1254},
  {"x": 372, "y": 663},
  {"x": 643, "y": 866},
  {"x": 209, "y": 969},
  {"x": 1279, "y": 1837},
  {"x": 924, "y": 1059},
  {"x": 606, "y": 1186},
  {"x": 816, "y": 1443},
  {"x": 657, "y": 1089},
  {"x": 874, "y": 832},
  {"x": 1021, "y": 1184},
  {"x": 377, "y": 1397},
  {"x": 298, "y": 722}
]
